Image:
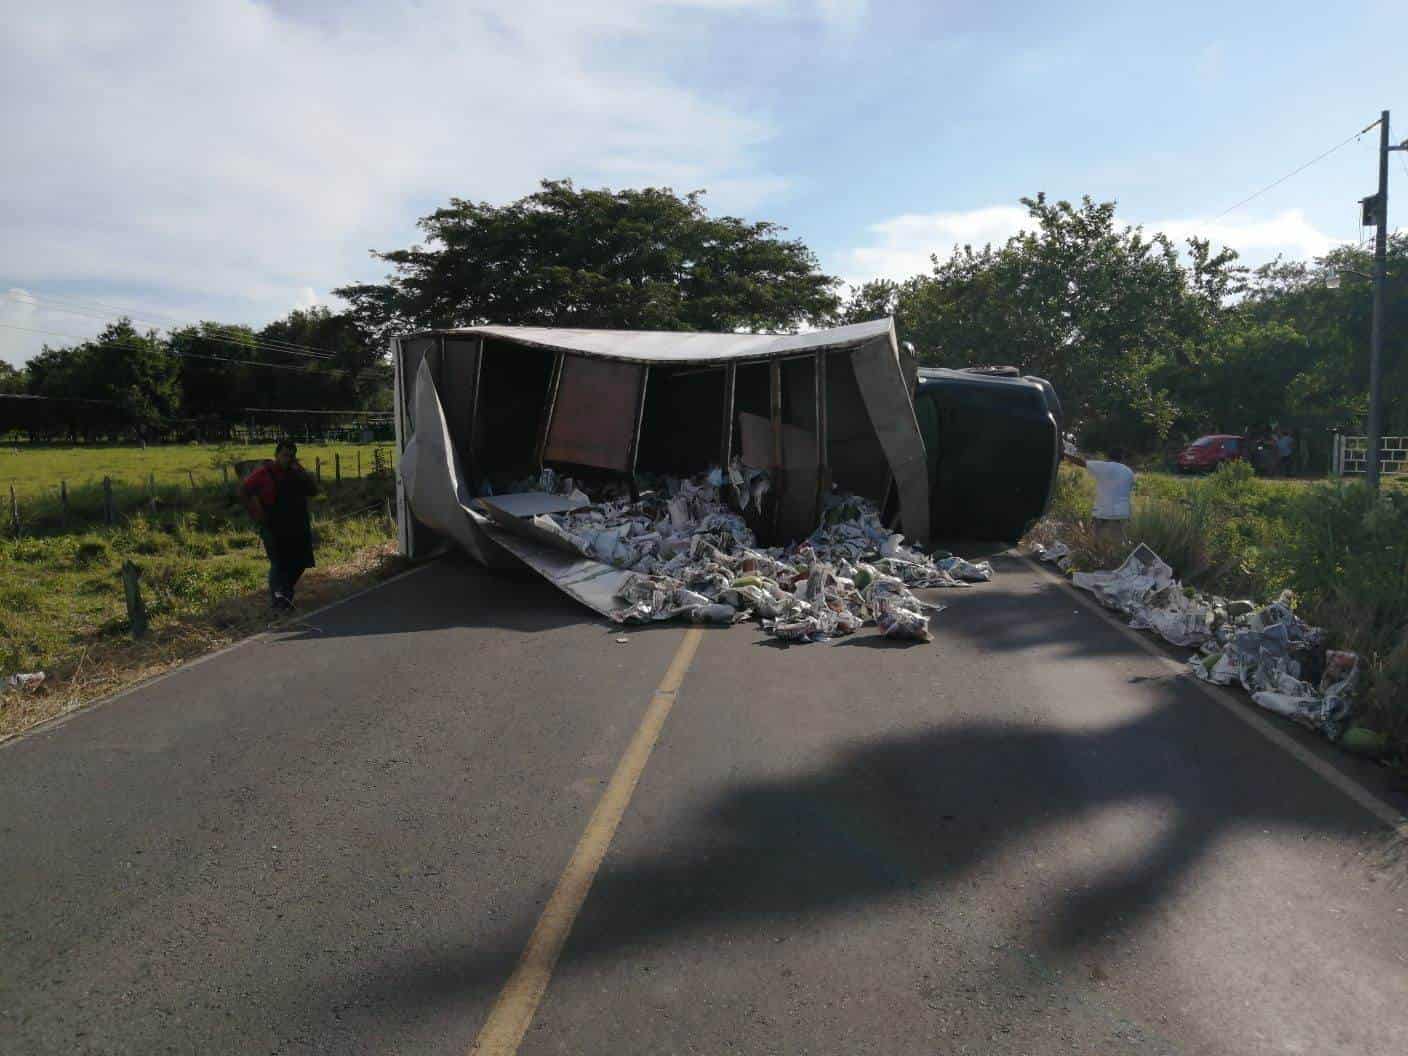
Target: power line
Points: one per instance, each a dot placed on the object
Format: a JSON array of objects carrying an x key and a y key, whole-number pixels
[
  {"x": 243, "y": 341},
  {"x": 1283, "y": 179},
  {"x": 142, "y": 317},
  {"x": 80, "y": 307},
  {"x": 249, "y": 341},
  {"x": 308, "y": 369}
]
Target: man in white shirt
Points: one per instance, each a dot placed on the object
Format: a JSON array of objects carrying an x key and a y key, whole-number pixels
[{"x": 1114, "y": 484}]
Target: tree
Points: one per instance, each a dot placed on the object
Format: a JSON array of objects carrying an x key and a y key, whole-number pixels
[
  {"x": 631, "y": 259},
  {"x": 1244, "y": 370},
  {"x": 1333, "y": 389},
  {"x": 1099, "y": 310},
  {"x": 119, "y": 380},
  {"x": 135, "y": 372},
  {"x": 12, "y": 381},
  {"x": 213, "y": 387},
  {"x": 353, "y": 375},
  {"x": 875, "y": 299}
]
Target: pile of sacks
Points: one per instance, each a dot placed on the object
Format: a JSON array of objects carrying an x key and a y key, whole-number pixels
[
  {"x": 1270, "y": 651},
  {"x": 693, "y": 555}
]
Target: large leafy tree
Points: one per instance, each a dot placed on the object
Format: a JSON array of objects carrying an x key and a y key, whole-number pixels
[
  {"x": 1331, "y": 388},
  {"x": 311, "y": 358},
  {"x": 214, "y": 384},
  {"x": 631, "y": 259},
  {"x": 121, "y": 378},
  {"x": 134, "y": 371},
  {"x": 352, "y": 375},
  {"x": 1099, "y": 309},
  {"x": 11, "y": 380}
]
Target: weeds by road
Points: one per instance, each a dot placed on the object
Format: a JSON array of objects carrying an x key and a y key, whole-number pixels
[{"x": 1341, "y": 552}]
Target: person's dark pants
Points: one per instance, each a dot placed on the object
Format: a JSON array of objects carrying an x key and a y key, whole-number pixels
[
  {"x": 1286, "y": 465},
  {"x": 282, "y": 579},
  {"x": 283, "y": 574}
]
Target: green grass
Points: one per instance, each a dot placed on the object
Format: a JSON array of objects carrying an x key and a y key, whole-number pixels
[
  {"x": 1342, "y": 553},
  {"x": 203, "y": 568},
  {"x": 35, "y": 470}
]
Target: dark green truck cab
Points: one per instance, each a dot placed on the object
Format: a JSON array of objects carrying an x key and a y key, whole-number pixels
[{"x": 993, "y": 443}]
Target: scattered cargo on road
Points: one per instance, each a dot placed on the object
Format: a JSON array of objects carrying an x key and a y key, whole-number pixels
[{"x": 1279, "y": 659}]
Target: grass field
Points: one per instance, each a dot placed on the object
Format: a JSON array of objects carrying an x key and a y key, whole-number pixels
[
  {"x": 36, "y": 470},
  {"x": 203, "y": 567}
]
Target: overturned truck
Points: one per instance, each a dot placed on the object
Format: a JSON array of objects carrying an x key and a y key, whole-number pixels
[{"x": 941, "y": 454}]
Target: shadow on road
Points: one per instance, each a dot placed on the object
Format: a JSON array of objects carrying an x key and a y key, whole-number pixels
[
  {"x": 914, "y": 813},
  {"x": 456, "y": 592}
]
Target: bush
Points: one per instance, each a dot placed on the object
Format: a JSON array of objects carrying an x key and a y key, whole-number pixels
[
  {"x": 92, "y": 552},
  {"x": 1347, "y": 561}
]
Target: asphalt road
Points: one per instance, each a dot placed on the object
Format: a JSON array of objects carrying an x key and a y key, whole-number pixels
[{"x": 1025, "y": 837}]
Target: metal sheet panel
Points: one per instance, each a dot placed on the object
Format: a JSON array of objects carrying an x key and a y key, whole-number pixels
[
  {"x": 532, "y": 503},
  {"x": 886, "y": 394},
  {"x": 433, "y": 487},
  {"x": 592, "y": 583},
  {"x": 595, "y": 415}
]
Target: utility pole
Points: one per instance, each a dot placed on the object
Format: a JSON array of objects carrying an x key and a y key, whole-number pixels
[{"x": 1376, "y": 333}]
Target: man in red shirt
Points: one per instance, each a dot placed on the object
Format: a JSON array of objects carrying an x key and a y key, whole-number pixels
[{"x": 276, "y": 496}]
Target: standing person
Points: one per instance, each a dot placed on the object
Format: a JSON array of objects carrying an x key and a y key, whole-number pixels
[
  {"x": 276, "y": 496},
  {"x": 1285, "y": 450},
  {"x": 1114, "y": 484}
]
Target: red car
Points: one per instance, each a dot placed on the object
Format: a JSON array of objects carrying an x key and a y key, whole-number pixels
[{"x": 1206, "y": 454}]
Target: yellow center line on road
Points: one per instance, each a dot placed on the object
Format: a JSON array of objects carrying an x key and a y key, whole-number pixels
[{"x": 513, "y": 1012}]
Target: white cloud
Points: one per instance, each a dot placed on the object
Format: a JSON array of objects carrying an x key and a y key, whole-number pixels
[
  {"x": 901, "y": 246},
  {"x": 244, "y": 153},
  {"x": 1288, "y": 233},
  {"x": 27, "y": 324},
  {"x": 904, "y": 244}
]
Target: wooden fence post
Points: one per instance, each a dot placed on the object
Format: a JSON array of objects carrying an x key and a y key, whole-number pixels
[
  {"x": 63, "y": 505},
  {"x": 14, "y": 512},
  {"x": 190, "y": 475},
  {"x": 318, "y": 467},
  {"x": 337, "y": 466},
  {"x": 359, "y": 463},
  {"x": 109, "y": 514},
  {"x": 136, "y": 610}
]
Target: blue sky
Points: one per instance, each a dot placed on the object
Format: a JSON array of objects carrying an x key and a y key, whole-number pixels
[{"x": 234, "y": 159}]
